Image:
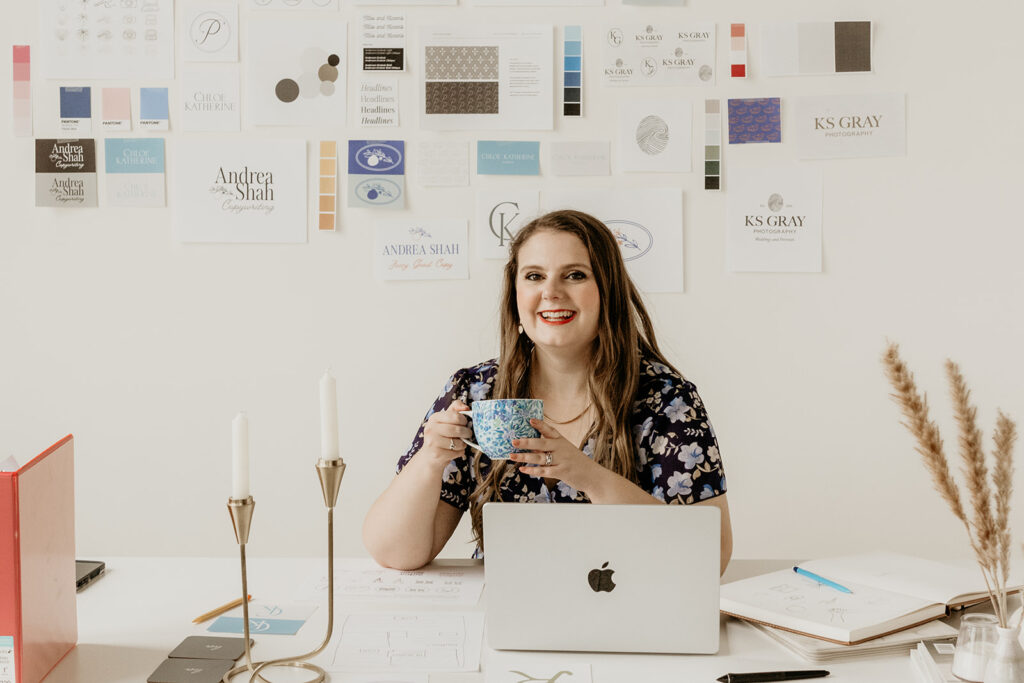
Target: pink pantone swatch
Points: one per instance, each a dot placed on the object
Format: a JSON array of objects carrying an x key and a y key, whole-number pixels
[{"x": 117, "y": 103}]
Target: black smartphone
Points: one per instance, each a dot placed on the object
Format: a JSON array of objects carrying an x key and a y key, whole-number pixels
[{"x": 86, "y": 571}]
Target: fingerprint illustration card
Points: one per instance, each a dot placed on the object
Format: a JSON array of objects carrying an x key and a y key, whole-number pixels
[
  {"x": 656, "y": 135},
  {"x": 757, "y": 119},
  {"x": 843, "y": 126},
  {"x": 66, "y": 173},
  {"x": 135, "y": 171},
  {"x": 443, "y": 163},
  {"x": 107, "y": 39},
  {"x": 296, "y": 71},
  {"x": 499, "y": 215},
  {"x": 154, "y": 109},
  {"x": 773, "y": 220},
  {"x": 481, "y": 77},
  {"x": 210, "y": 31},
  {"x": 376, "y": 174},
  {"x": 815, "y": 47},
  {"x": 648, "y": 224},
  {"x": 75, "y": 109},
  {"x": 116, "y": 110},
  {"x": 232, "y": 190},
  {"x": 210, "y": 100},
  {"x": 657, "y": 54},
  {"x": 411, "y": 249}
]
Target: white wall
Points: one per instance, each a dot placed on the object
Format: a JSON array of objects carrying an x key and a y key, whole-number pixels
[{"x": 145, "y": 348}]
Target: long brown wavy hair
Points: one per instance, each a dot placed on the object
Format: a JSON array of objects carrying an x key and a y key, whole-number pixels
[{"x": 624, "y": 335}]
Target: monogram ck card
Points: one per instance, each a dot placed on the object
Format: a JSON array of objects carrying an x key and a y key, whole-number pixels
[
  {"x": 191, "y": 671},
  {"x": 66, "y": 173},
  {"x": 376, "y": 173},
  {"x": 209, "y": 647},
  {"x": 135, "y": 171},
  {"x": 499, "y": 216}
]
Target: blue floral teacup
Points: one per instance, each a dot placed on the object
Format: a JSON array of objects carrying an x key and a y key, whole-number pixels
[{"x": 497, "y": 421}]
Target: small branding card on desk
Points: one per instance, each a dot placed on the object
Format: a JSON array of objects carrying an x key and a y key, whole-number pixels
[
  {"x": 190, "y": 671},
  {"x": 281, "y": 619},
  {"x": 209, "y": 647}
]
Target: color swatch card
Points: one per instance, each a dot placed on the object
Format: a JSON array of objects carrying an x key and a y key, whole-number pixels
[
  {"x": 774, "y": 220},
  {"x": 499, "y": 216},
  {"x": 842, "y": 126},
  {"x": 410, "y": 249},
  {"x": 21, "y": 101},
  {"x": 210, "y": 31},
  {"x": 232, "y": 190},
  {"x": 572, "y": 71},
  {"x": 649, "y": 54},
  {"x": 378, "y": 103},
  {"x": 135, "y": 171},
  {"x": 480, "y": 77},
  {"x": 128, "y": 39},
  {"x": 116, "y": 110},
  {"x": 588, "y": 157},
  {"x": 655, "y": 135},
  {"x": 507, "y": 157},
  {"x": 383, "y": 41},
  {"x": 738, "y": 50},
  {"x": 443, "y": 163},
  {"x": 376, "y": 174},
  {"x": 646, "y": 222},
  {"x": 75, "y": 109},
  {"x": 296, "y": 71},
  {"x": 327, "y": 197},
  {"x": 66, "y": 173},
  {"x": 815, "y": 47},
  {"x": 757, "y": 119},
  {"x": 154, "y": 109},
  {"x": 210, "y": 100},
  {"x": 713, "y": 144}
]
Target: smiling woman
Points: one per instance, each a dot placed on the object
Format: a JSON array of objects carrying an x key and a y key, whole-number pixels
[{"x": 620, "y": 425}]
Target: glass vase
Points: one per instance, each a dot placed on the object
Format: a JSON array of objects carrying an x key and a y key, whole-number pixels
[
  {"x": 974, "y": 646},
  {"x": 1006, "y": 665}
]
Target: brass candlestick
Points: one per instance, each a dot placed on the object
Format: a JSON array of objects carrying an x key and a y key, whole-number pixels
[{"x": 330, "y": 473}]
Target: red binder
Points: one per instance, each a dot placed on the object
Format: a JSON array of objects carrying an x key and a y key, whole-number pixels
[{"x": 38, "y": 618}]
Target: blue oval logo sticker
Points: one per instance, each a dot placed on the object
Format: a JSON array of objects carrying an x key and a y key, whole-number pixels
[
  {"x": 378, "y": 191},
  {"x": 634, "y": 239},
  {"x": 378, "y": 157}
]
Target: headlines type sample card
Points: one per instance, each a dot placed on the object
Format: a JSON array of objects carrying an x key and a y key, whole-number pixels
[
  {"x": 123, "y": 40},
  {"x": 411, "y": 249},
  {"x": 443, "y": 163},
  {"x": 507, "y": 157},
  {"x": 649, "y": 54},
  {"x": 135, "y": 171},
  {"x": 66, "y": 173},
  {"x": 756, "y": 119},
  {"x": 240, "y": 190},
  {"x": 210, "y": 99},
  {"x": 815, "y": 47},
  {"x": 587, "y": 157},
  {"x": 646, "y": 222},
  {"x": 499, "y": 216},
  {"x": 843, "y": 126},
  {"x": 116, "y": 108},
  {"x": 378, "y": 103},
  {"x": 656, "y": 135},
  {"x": 21, "y": 81},
  {"x": 154, "y": 109},
  {"x": 210, "y": 31},
  {"x": 75, "y": 109},
  {"x": 296, "y": 71},
  {"x": 376, "y": 174},
  {"x": 483, "y": 77},
  {"x": 774, "y": 220},
  {"x": 383, "y": 41}
]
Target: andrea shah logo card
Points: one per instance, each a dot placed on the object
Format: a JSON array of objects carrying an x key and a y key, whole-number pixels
[
  {"x": 421, "y": 250},
  {"x": 240, "y": 191},
  {"x": 843, "y": 126},
  {"x": 66, "y": 173}
]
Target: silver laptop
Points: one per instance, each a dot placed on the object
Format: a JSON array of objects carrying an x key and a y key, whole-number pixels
[{"x": 605, "y": 578}]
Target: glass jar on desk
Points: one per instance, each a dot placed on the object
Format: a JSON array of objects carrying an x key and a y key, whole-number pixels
[{"x": 974, "y": 645}]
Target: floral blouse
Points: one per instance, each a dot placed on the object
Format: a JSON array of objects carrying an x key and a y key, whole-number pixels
[{"x": 677, "y": 457}]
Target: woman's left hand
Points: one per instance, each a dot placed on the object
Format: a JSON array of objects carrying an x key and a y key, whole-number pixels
[{"x": 567, "y": 463}]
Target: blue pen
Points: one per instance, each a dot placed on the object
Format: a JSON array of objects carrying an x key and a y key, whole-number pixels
[{"x": 822, "y": 580}]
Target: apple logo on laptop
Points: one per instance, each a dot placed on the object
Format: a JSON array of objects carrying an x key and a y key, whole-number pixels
[{"x": 601, "y": 579}]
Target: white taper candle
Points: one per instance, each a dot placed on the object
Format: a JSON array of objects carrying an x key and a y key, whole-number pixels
[
  {"x": 240, "y": 457},
  {"x": 328, "y": 417}
]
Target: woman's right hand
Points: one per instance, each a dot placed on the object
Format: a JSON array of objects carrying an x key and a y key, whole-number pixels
[{"x": 442, "y": 434}]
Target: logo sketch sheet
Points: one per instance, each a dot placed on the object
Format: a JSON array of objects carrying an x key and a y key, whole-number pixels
[{"x": 409, "y": 642}]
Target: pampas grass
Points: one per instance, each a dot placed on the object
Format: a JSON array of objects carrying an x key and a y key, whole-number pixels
[{"x": 987, "y": 525}]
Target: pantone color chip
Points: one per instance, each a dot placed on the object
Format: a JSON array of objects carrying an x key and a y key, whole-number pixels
[
  {"x": 22, "y": 100},
  {"x": 738, "y": 50},
  {"x": 818, "y": 47},
  {"x": 154, "y": 109},
  {"x": 76, "y": 109},
  {"x": 327, "y": 204},
  {"x": 712, "y": 145},
  {"x": 572, "y": 72}
]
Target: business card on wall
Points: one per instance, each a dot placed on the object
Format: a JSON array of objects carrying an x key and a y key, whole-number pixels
[
  {"x": 844, "y": 126},
  {"x": 376, "y": 174},
  {"x": 210, "y": 31},
  {"x": 210, "y": 99},
  {"x": 135, "y": 171},
  {"x": 412, "y": 249},
  {"x": 66, "y": 173}
]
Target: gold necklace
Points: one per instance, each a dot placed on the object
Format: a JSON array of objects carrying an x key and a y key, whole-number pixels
[{"x": 565, "y": 422}]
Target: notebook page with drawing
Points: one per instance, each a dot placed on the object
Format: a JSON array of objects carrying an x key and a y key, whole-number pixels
[{"x": 602, "y": 578}]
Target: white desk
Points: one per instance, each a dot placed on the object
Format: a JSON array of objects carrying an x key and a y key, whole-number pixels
[{"x": 131, "y": 618}]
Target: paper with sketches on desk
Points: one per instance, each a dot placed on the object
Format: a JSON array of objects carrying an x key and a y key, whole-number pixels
[
  {"x": 523, "y": 667},
  {"x": 410, "y": 641},
  {"x": 358, "y": 579}
]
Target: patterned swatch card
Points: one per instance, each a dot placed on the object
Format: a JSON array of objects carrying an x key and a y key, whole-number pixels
[
  {"x": 209, "y": 98},
  {"x": 499, "y": 216},
  {"x": 815, "y": 47},
  {"x": 135, "y": 171},
  {"x": 210, "y": 32},
  {"x": 843, "y": 126},
  {"x": 75, "y": 109},
  {"x": 507, "y": 157},
  {"x": 412, "y": 249},
  {"x": 376, "y": 174},
  {"x": 656, "y": 135},
  {"x": 443, "y": 163},
  {"x": 66, "y": 173},
  {"x": 757, "y": 119}
]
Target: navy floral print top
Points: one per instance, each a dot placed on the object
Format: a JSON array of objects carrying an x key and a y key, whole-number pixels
[{"x": 677, "y": 457}]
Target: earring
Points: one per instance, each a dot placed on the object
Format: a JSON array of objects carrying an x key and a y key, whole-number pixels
[{"x": 520, "y": 328}]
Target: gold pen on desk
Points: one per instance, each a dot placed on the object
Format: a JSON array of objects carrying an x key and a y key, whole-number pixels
[{"x": 220, "y": 610}]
